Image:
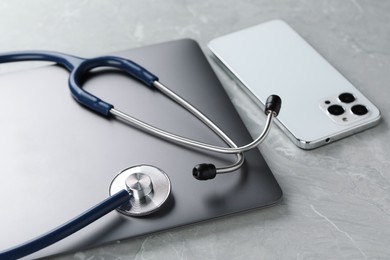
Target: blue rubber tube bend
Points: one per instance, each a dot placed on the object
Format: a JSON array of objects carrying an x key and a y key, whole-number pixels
[
  {"x": 70, "y": 227},
  {"x": 92, "y": 102}
]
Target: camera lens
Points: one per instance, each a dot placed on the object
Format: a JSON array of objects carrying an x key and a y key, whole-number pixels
[
  {"x": 336, "y": 110},
  {"x": 359, "y": 110},
  {"x": 346, "y": 97}
]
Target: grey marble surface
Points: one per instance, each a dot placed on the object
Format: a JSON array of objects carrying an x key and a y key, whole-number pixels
[{"x": 336, "y": 198}]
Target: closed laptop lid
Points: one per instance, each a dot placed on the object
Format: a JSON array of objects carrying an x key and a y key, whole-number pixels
[{"x": 59, "y": 158}]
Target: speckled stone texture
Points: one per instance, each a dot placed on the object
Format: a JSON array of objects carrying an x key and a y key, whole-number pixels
[{"x": 336, "y": 198}]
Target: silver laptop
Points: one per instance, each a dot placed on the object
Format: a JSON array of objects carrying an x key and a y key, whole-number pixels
[{"x": 58, "y": 158}]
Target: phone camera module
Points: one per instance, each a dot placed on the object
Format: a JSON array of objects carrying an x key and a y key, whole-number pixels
[
  {"x": 359, "y": 110},
  {"x": 346, "y": 97},
  {"x": 336, "y": 110}
]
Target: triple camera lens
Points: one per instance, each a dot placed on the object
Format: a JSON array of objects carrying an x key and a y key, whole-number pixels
[{"x": 347, "y": 98}]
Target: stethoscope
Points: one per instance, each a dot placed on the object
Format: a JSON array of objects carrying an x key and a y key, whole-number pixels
[{"x": 139, "y": 190}]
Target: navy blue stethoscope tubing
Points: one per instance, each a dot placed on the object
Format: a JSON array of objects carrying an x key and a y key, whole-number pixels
[
  {"x": 68, "y": 228},
  {"x": 78, "y": 67}
]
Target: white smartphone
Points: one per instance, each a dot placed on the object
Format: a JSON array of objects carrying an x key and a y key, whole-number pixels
[{"x": 319, "y": 105}]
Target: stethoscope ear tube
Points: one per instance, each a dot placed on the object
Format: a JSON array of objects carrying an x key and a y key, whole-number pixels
[{"x": 111, "y": 203}]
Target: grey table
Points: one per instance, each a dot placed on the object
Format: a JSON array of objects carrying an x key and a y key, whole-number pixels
[{"x": 336, "y": 198}]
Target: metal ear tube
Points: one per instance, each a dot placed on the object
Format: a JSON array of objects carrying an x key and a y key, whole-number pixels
[{"x": 207, "y": 171}]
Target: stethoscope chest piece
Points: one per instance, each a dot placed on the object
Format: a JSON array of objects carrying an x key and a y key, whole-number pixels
[{"x": 149, "y": 188}]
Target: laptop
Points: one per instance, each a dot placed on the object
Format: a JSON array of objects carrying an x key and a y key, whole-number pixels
[{"x": 59, "y": 158}]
